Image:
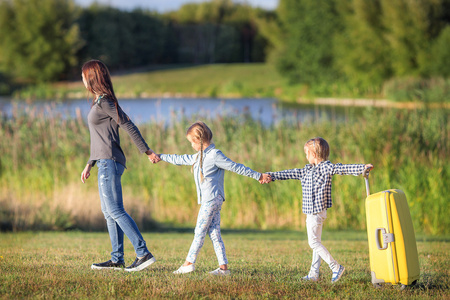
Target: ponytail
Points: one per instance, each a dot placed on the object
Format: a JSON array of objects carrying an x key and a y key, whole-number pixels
[{"x": 200, "y": 132}]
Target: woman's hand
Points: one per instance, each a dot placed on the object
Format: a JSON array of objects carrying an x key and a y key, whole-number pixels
[
  {"x": 86, "y": 173},
  {"x": 152, "y": 156}
]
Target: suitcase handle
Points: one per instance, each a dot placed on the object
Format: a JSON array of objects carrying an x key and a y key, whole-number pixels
[
  {"x": 387, "y": 238},
  {"x": 366, "y": 178}
]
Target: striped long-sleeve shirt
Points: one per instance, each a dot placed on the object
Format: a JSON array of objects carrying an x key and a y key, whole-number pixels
[{"x": 316, "y": 182}]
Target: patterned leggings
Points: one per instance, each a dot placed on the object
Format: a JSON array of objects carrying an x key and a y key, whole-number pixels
[{"x": 208, "y": 221}]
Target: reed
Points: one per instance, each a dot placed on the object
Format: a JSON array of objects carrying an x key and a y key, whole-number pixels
[{"x": 42, "y": 159}]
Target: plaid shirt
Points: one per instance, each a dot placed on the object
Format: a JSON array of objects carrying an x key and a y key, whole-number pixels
[{"x": 316, "y": 182}]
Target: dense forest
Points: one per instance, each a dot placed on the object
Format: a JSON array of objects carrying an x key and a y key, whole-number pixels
[
  {"x": 360, "y": 44},
  {"x": 43, "y": 40}
]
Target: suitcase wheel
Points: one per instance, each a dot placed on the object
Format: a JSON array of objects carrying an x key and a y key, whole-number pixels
[
  {"x": 403, "y": 286},
  {"x": 377, "y": 285}
]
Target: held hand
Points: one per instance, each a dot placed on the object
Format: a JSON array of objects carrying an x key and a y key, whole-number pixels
[
  {"x": 153, "y": 157},
  {"x": 86, "y": 173},
  {"x": 265, "y": 178}
]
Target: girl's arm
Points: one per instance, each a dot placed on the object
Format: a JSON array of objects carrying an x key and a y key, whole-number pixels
[
  {"x": 225, "y": 163},
  {"x": 179, "y": 160},
  {"x": 287, "y": 174}
]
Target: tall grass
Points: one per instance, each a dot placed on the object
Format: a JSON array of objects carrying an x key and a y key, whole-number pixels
[{"x": 42, "y": 160}]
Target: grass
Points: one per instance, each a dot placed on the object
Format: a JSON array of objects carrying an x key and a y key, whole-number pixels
[
  {"x": 222, "y": 80},
  {"x": 245, "y": 80},
  {"x": 219, "y": 80},
  {"x": 264, "y": 265}
]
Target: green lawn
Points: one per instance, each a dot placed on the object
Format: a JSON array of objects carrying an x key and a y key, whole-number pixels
[
  {"x": 246, "y": 80},
  {"x": 222, "y": 80},
  {"x": 218, "y": 80},
  {"x": 265, "y": 265}
]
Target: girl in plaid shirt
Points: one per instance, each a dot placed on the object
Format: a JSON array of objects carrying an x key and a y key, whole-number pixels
[{"x": 316, "y": 187}]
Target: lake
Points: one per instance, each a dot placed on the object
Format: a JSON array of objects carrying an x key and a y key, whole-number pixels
[{"x": 167, "y": 110}]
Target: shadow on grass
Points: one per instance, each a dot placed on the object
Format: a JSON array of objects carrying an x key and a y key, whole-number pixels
[
  {"x": 426, "y": 282},
  {"x": 431, "y": 282}
]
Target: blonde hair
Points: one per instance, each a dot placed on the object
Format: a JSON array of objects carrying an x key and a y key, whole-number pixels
[
  {"x": 200, "y": 133},
  {"x": 318, "y": 146}
]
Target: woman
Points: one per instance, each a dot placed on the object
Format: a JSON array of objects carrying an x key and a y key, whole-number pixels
[{"x": 104, "y": 120}]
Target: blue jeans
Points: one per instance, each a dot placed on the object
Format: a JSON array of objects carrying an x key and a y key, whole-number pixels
[{"x": 117, "y": 219}]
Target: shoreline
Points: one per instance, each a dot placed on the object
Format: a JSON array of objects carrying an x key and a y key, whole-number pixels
[
  {"x": 326, "y": 101},
  {"x": 364, "y": 102}
]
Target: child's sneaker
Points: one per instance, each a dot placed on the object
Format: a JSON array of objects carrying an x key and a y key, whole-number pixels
[
  {"x": 220, "y": 272},
  {"x": 185, "y": 269},
  {"x": 311, "y": 278},
  {"x": 337, "y": 275}
]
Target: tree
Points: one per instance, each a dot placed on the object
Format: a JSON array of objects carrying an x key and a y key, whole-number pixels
[
  {"x": 361, "y": 50},
  {"x": 38, "y": 38},
  {"x": 439, "y": 65},
  {"x": 124, "y": 39},
  {"x": 411, "y": 26},
  {"x": 269, "y": 26},
  {"x": 218, "y": 31},
  {"x": 308, "y": 27},
  {"x": 382, "y": 39}
]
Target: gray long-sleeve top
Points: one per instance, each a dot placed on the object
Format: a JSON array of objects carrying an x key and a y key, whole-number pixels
[{"x": 104, "y": 131}]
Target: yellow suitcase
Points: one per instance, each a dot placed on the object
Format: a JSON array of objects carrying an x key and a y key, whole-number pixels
[{"x": 392, "y": 242}]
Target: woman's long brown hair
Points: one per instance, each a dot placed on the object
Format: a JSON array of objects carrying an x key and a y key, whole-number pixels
[{"x": 98, "y": 81}]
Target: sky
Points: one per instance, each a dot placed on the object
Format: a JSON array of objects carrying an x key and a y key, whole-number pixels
[{"x": 167, "y": 5}]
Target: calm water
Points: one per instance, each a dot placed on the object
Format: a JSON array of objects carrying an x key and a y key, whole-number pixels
[{"x": 167, "y": 110}]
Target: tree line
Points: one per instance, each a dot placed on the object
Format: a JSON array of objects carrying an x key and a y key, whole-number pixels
[
  {"x": 362, "y": 43},
  {"x": 47, "y": 40},
  {"x": 358, "y": 43}
]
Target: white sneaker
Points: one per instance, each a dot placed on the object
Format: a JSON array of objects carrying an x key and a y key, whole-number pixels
[
  {"x": 220, "y": 272},
  {"x": 311, "y": 278},
  {"x": 185, "y": 269},
  {"x": 338, "y": 274}
]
